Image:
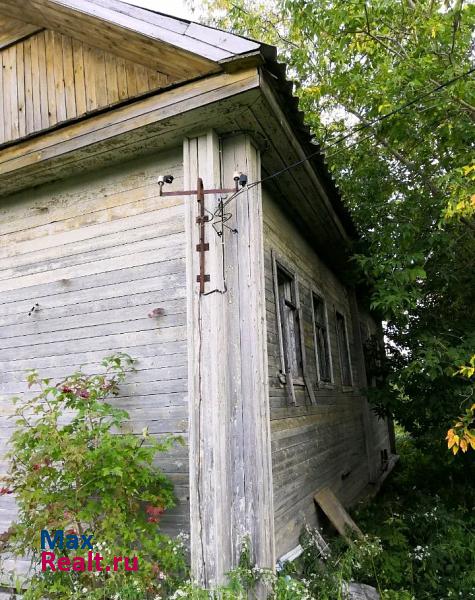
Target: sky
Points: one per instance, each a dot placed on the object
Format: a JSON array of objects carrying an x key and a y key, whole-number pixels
[{"x": 177, "y": 8}]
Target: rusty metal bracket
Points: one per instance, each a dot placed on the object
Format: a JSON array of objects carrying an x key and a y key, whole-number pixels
[
  {"x": 202, "y": 247},
  {"x": 201, "y": 221}
]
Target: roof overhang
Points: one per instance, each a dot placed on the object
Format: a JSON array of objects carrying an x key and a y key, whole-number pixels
[
  {"x": 230, "y": 103},
  {"x": 219, "y": 80},
  {"x": 180, "y": 49}
]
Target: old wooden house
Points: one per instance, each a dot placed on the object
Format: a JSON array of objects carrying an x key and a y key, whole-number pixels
[{"x": 258, "y": 358}]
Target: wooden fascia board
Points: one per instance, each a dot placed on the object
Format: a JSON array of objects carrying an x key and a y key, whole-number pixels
[
  {"x": 300, "y": 154},
  {"x": 176, "y": 40},
  {"x": 119, "y": 121},
  {"x": 212, "y": 36},
  {"x": 125, "y": 36}
]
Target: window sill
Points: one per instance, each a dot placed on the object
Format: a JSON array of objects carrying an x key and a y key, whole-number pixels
[
  {"x": 325, "y": 385},
  {"x": 299, "y": 382}
]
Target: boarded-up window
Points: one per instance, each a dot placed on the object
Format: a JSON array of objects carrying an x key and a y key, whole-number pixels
[
  {"x": 320, "y": 332},
  {"x": 289, "y": 323},
  {"x": 343, "y": 350}
]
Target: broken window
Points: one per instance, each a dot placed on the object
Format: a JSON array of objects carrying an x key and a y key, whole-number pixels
[
  {"x": 289, "y": 323},
  {"x": 343, "y": 350},
  {"x": 320, "y": 333}
]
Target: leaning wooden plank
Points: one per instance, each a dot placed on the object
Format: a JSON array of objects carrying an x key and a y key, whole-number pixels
[{"x": 336, "y": 512}]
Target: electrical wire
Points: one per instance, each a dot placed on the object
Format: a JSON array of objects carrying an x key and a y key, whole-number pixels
[{"x": 349, "y": 134}]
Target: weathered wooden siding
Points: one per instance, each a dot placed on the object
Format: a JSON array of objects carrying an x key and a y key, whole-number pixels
[
  {"x": 97, "y": 253},
  {"x": 49, "y": 78},
  {"x": 312, "y": 445}
]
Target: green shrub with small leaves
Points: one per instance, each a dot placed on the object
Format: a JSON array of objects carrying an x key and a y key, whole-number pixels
[{"x": 73, "y": 468}]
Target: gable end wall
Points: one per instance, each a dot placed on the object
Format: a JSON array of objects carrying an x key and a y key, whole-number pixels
[{"x": 97, "y": 254}]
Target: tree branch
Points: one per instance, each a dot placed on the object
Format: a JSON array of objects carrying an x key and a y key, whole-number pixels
[{"x": 429, "y": 184}]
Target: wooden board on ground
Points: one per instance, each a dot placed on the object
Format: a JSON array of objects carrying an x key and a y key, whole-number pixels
[{"x": 336, "y": 512}]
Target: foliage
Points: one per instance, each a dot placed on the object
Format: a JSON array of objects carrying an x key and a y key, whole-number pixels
[
  {"x": 419, "y": 542},
  {"x": 73, "y": 468},
  {"x": 408, "y": 179},
  {"x": 461, "y": 436},
  {"x": 424, "y": 519}
]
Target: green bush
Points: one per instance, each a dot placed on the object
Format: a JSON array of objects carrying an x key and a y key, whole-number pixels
[
  {"x": 72, "y": 468},
  {"x": 419, "y": 541},
  {"x": 424, "y": 519}
]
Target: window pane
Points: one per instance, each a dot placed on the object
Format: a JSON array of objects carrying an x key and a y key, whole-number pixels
[
  {"x": 289, "y": 319},
  {"x": 343, "y": 349},
  {"x": 321, "y": 339}
]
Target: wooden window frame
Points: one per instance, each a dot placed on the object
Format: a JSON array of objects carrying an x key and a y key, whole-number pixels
[
  {"x": 290, "y": 382},
  {"x": 343, "y": 313},
  {"x": 316, "y": 293}
]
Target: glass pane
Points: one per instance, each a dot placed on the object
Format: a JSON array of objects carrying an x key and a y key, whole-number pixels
[
  {"x": 290, "y": 326},
  {"x": 343, "y": 350},
  {"x": 321, "y": 339}
]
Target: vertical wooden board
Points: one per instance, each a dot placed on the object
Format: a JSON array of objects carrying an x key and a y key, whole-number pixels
[
  {"x": 59, "y": 87},
  {"x": 89, "y": 68},
  {"x": 50, "y": 77},
  {"x": 7, "y": 82},
  {"x": 2, "y": 118},
  {"x": 40, "y": 81},
  {"x": 156, "y": 80},
  {"x": 20, "y": 76},
  {"x": 29, "y": 119},
  {"x": 122, "y": 79},
  {"x": 69, "y": 84},
  {"x": 100, "y": 77},
  {"x": 111, "y": 78},
  {"x": 141, "y": 76},
  {"x": 131, "y": 78},
  {"x": 79, "y": 81},
  {"x": 13, "y": 91}
]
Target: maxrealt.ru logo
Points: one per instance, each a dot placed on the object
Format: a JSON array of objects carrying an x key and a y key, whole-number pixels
[{"x": 69, "y": 540}]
